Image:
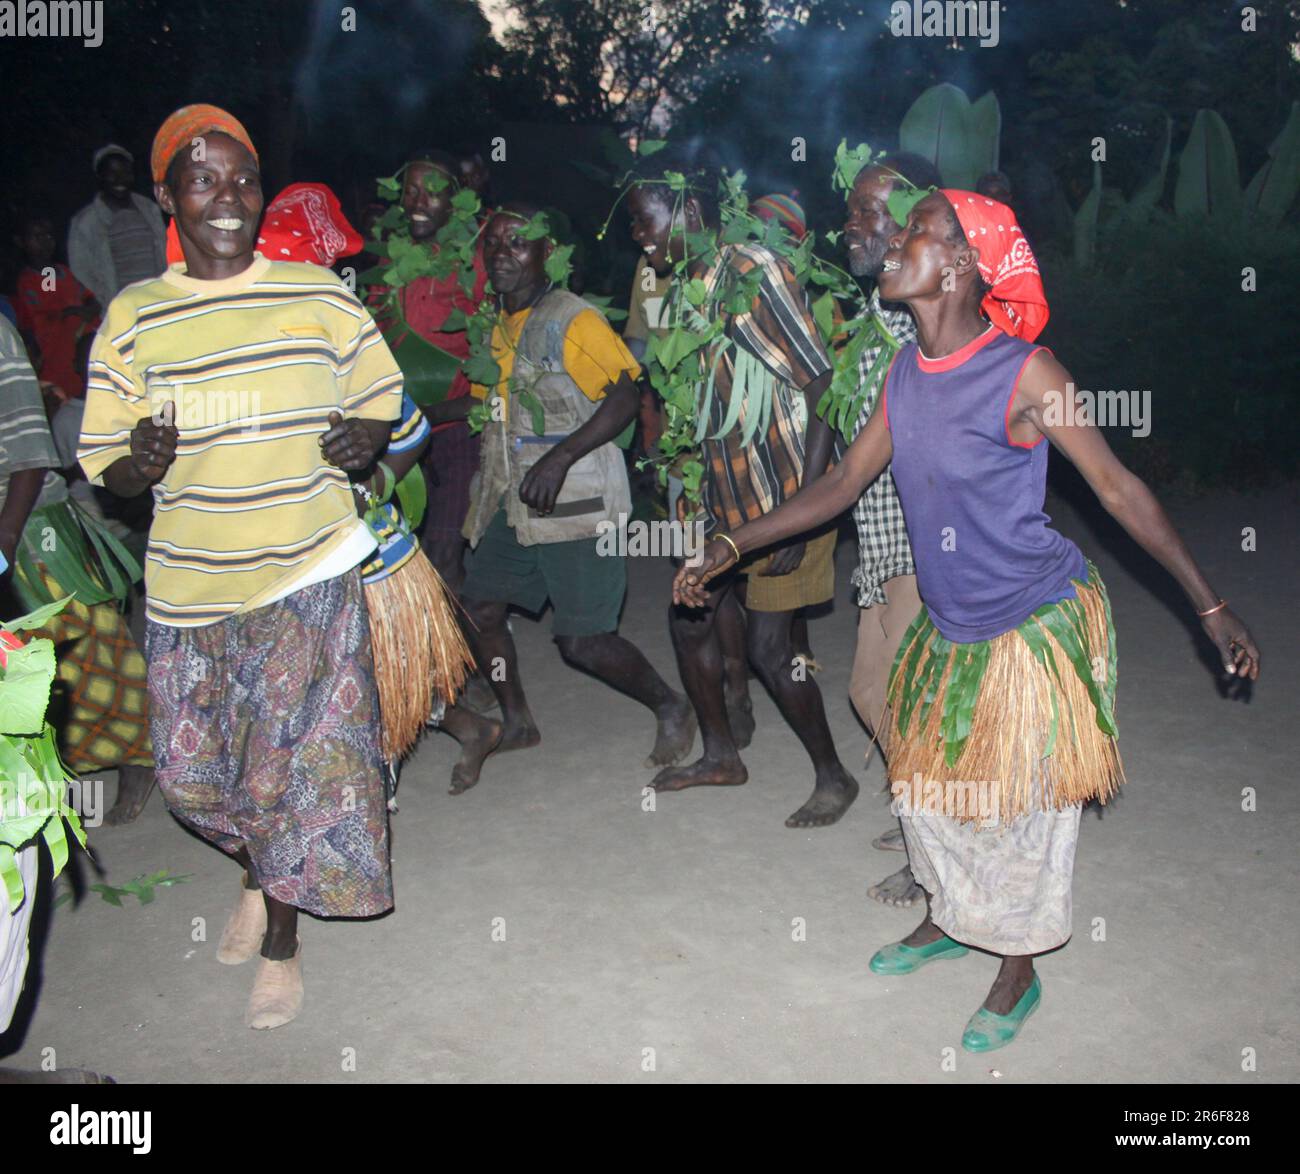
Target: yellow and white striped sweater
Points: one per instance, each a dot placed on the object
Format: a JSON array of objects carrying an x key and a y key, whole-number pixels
[{"x": 254, "y": 364}]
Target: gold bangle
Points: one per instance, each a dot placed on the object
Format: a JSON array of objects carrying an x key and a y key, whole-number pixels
[
  {"x": 1217, "y": 607},
  {"x": 728, "y": 540}
]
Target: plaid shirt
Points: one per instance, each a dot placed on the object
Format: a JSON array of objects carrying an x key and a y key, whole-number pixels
[
  {"x": 884, "y": 552},
  {"x": 744, "y": 482}
]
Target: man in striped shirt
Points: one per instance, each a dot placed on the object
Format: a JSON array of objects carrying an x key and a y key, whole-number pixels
[
  {"x": 244, "y": 391},
  {"x": 777, "y": 340}
]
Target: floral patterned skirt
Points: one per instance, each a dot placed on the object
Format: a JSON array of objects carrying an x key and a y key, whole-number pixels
[{"x": 266, "y": 736}]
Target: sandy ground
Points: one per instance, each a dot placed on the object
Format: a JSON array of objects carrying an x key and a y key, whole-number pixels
[{"x": 664, "y": 944}]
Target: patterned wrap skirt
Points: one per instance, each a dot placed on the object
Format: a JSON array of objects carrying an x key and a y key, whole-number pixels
[
  {"x": 993, "y": 750},
  {"x": 266, "y": 736}
]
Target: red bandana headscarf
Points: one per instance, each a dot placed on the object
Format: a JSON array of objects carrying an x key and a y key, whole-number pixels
[
  {"x": 305, "y": 222},
  {"x": 1016, "y": 302}
]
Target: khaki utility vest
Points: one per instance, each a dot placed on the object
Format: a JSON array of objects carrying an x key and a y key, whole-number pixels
[{"x": 595, "y": 489}]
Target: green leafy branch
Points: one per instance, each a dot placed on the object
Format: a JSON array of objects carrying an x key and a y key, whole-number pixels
[
  {"x": 33, "y": 779},
  {"x": 141, "y": 888}
]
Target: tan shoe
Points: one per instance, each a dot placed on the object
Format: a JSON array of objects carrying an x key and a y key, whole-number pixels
[
  {"x": 277, "y": 993},
  {"x": 242, "y": 937}
]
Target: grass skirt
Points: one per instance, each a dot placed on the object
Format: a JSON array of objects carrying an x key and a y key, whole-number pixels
[
  {"x": 1021, "y": 723},
  {"x": 421, "y": 658}
]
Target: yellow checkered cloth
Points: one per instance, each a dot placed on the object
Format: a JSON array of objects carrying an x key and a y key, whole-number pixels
[
  {"x": 100, "y": 701},
  {"x": 811, "y": 582}
]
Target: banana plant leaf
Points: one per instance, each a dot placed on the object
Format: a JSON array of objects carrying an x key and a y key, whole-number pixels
[
  {"x": 1273, "y": 189},
  {"x": 984, "y": 127},
  {"x": 1208, "y": 180},
  {"x": 427, "y": 370},
  {"x": 1138, "y": 209},
  {"x": 1085, "y": 223},
  {"x": 941, "y": 126}
]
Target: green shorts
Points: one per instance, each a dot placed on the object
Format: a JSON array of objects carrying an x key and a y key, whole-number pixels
[{"x": 585, "y": 588}]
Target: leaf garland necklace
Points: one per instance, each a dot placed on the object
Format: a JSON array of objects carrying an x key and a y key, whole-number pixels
[
  {"x": 452, "y": 254},
  {"x": 681, "y": 363}
]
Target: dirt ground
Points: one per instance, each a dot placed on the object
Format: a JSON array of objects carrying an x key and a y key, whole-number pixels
[{"x": 549, "y": 927}]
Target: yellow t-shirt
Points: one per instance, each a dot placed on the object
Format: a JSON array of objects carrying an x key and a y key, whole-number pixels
[
  {"x": 255, "y": 364},
  {"x": 645, "y": 313},
  {"x": 594, "y": 356}
]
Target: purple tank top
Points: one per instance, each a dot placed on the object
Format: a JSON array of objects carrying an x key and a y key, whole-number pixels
[{"x": 986, "y": 558}]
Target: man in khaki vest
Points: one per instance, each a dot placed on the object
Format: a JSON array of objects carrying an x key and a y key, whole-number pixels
[{"x": 542, "y": 499}]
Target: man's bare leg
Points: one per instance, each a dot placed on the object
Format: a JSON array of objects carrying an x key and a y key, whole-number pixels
[
  {"x": 134, "y": 786},
  {"x": 730, "y": 627},
  {"x": 494, "y": 652},
  {"x": 700, "y": 662},
  {"x": 800, "y": 701},
  {"x": 446, "y": 551},
  {"x": 619, "y": 663}
]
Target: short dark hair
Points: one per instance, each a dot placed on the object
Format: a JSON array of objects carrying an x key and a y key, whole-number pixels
[
  {"x": 703, "y": 174},
  {"x": 443, "y": 160},
  {"x": 109, "y": 156},
  {"x": 916, "y": 169}
]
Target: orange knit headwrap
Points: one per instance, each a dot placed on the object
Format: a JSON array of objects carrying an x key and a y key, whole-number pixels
[{"x": 187, "y": 124}]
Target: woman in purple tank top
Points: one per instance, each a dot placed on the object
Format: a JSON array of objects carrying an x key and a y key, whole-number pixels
[{"x": 1001, "y": 721}]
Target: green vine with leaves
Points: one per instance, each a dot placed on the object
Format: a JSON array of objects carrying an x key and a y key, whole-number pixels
[
  {"x": 681, "y": 363},
  {"x": 452, "y": 254}
]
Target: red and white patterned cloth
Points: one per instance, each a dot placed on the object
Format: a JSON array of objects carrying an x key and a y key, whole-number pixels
[{"x": 1016, "y": 301}]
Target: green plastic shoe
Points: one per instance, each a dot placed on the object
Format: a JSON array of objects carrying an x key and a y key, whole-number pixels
[
  {"x": 986, "y": 1032},
  {"x": 897, "y": 958}
]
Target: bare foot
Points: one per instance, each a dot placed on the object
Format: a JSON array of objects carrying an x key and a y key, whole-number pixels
[
  {"x": 675, "y": 735},
  {"x": 740, "y": 716},
  {"x": 831, "y": 798},
  {"x": 518, "y": 737},
  {"x": 900, "y": 890},
  {"x": 477, "y": 695},
  {"x": 474, "y": 748},
  {"x": 891, "y": 841},
  {"x": 704, "y": 773},
  {"x": 134, "y": 785}
]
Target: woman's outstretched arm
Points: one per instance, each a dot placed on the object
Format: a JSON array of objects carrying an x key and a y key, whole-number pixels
[
  {"x": 1039, "y": 408},
  {"x": 824, "y": 499}
]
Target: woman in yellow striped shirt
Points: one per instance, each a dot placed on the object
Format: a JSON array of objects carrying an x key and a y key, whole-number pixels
[{"x": 244, "y": 391}]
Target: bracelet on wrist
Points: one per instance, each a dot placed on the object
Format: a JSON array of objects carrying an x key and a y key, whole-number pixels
[
  {"x": 730, "y": 542},
  {"x": 1210, "y": 611}
]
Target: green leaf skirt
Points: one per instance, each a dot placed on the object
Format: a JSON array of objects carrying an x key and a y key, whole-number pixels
[{"x": 1024, "y": 722}]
